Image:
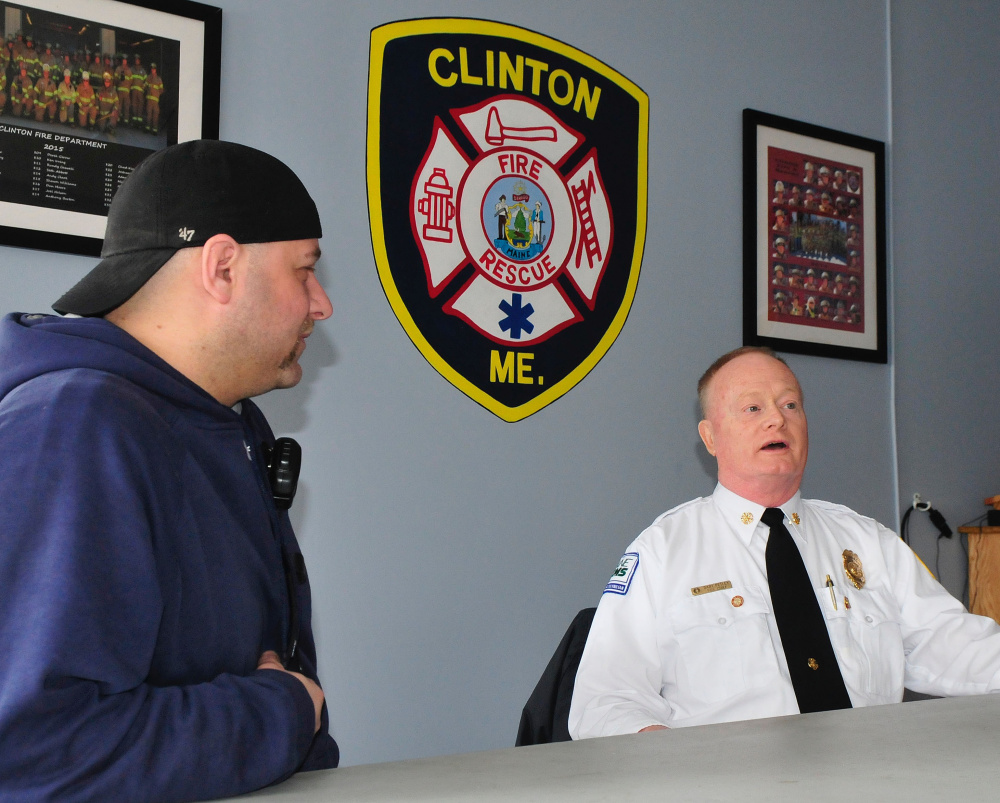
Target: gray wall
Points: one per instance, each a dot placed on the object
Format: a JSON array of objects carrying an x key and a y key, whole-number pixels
[
  {"x": 448, "y": 549},
  {"x": 945, "y": 111}
]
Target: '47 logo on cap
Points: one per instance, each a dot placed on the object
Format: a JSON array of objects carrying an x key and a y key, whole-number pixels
[
  {"x": 507, "y": 197},
  {"x": 185, "y": 234}
]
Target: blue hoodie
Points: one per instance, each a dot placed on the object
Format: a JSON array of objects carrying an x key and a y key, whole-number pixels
[{"x": 142, "y": 574}]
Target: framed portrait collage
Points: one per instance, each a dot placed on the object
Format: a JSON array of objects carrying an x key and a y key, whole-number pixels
[{"x": 814, "y": 239}]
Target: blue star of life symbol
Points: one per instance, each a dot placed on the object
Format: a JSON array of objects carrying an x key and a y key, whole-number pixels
[{"x": 517, "y": 317}]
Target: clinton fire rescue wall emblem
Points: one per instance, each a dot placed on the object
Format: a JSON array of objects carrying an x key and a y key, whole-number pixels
[{"x": 507, "y": 197}]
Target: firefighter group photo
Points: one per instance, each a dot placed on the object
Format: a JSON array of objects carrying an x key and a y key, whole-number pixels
[{"x": 85, "y": 77}]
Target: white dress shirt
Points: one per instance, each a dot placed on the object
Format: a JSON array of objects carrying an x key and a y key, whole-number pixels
[{"x": 684, "y": 634}]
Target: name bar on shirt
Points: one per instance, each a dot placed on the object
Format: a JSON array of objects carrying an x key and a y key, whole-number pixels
[{"x": 699, "y": 590}]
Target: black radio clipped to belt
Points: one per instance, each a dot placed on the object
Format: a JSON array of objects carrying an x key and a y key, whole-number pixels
[{"x": 284, "y": 461}]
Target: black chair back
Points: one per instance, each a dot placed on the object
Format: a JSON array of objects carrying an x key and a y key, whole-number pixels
[{"x": 546, "y": 714}]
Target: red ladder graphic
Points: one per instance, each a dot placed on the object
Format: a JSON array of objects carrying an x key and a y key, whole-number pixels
[{"x": 588, "y": 239}]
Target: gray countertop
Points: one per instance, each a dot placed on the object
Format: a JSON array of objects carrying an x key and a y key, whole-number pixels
[{"x": 922, "y": 751}]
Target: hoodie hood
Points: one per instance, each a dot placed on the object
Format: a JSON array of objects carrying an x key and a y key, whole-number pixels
[{"x": 33, "y": 345}]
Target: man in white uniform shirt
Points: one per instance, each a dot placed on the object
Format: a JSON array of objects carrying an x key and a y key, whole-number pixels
[{"x": 686, "y": 634}]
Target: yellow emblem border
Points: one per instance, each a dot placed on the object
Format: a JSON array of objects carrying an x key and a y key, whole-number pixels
[{"x": 380, "y": 38}]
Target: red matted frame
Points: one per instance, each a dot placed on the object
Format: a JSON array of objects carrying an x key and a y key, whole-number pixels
[{"x": 814, "y": 239}]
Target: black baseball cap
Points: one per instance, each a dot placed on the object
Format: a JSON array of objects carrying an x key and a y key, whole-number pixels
[{"x": 180, "y": 197}]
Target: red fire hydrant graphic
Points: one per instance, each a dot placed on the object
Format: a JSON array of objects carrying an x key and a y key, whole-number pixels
[{"x": 437, "y": 207}]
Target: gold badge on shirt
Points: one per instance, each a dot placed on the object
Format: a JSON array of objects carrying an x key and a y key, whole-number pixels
[
  {"x": 796, "y": 520},
  {"x": 746, "y": 518},
  {"x": 852, "y": 565}
]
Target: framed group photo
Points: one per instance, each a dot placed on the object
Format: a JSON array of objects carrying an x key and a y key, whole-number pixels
[
  {"x": 89, "y": 94},
  {"x": 814, "y": 272}
]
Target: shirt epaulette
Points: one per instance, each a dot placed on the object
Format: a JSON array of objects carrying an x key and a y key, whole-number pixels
[{"x": 679, "y": 507}]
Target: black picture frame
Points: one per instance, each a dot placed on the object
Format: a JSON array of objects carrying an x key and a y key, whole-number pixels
[
  {"x": 57, "y": 177},
  {"x": 814, "y": 243}
]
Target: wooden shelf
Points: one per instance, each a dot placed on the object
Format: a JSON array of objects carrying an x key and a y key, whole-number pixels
[{"x": 984, "y": 570}]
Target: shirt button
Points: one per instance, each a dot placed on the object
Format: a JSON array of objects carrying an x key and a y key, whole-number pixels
[
  {"x": 722, "y": 620},
  {"x": 869, "y": 619}
]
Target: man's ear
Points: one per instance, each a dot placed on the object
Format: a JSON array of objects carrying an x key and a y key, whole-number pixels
[
  {"x": 707, "y": 435},
  {"x": 219, "y": 256}
]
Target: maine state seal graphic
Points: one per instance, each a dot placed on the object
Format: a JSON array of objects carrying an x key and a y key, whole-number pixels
[{"x": 507, "y": 197}]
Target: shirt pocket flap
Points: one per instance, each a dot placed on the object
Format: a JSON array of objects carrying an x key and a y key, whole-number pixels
[
  {"x": 718, "y": 608},
  {"x": 871, "y": 608}
]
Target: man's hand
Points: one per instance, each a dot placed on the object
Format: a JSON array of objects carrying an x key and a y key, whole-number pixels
[
  {"x": 654, "y": 728},
  {"x": 270, "y": 660}
]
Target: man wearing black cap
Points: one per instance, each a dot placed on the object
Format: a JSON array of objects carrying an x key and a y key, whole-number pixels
[{"x": 154, "y": 605}]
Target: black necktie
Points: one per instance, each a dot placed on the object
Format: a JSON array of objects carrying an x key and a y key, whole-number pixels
[{"x": 812, "y": 664}]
